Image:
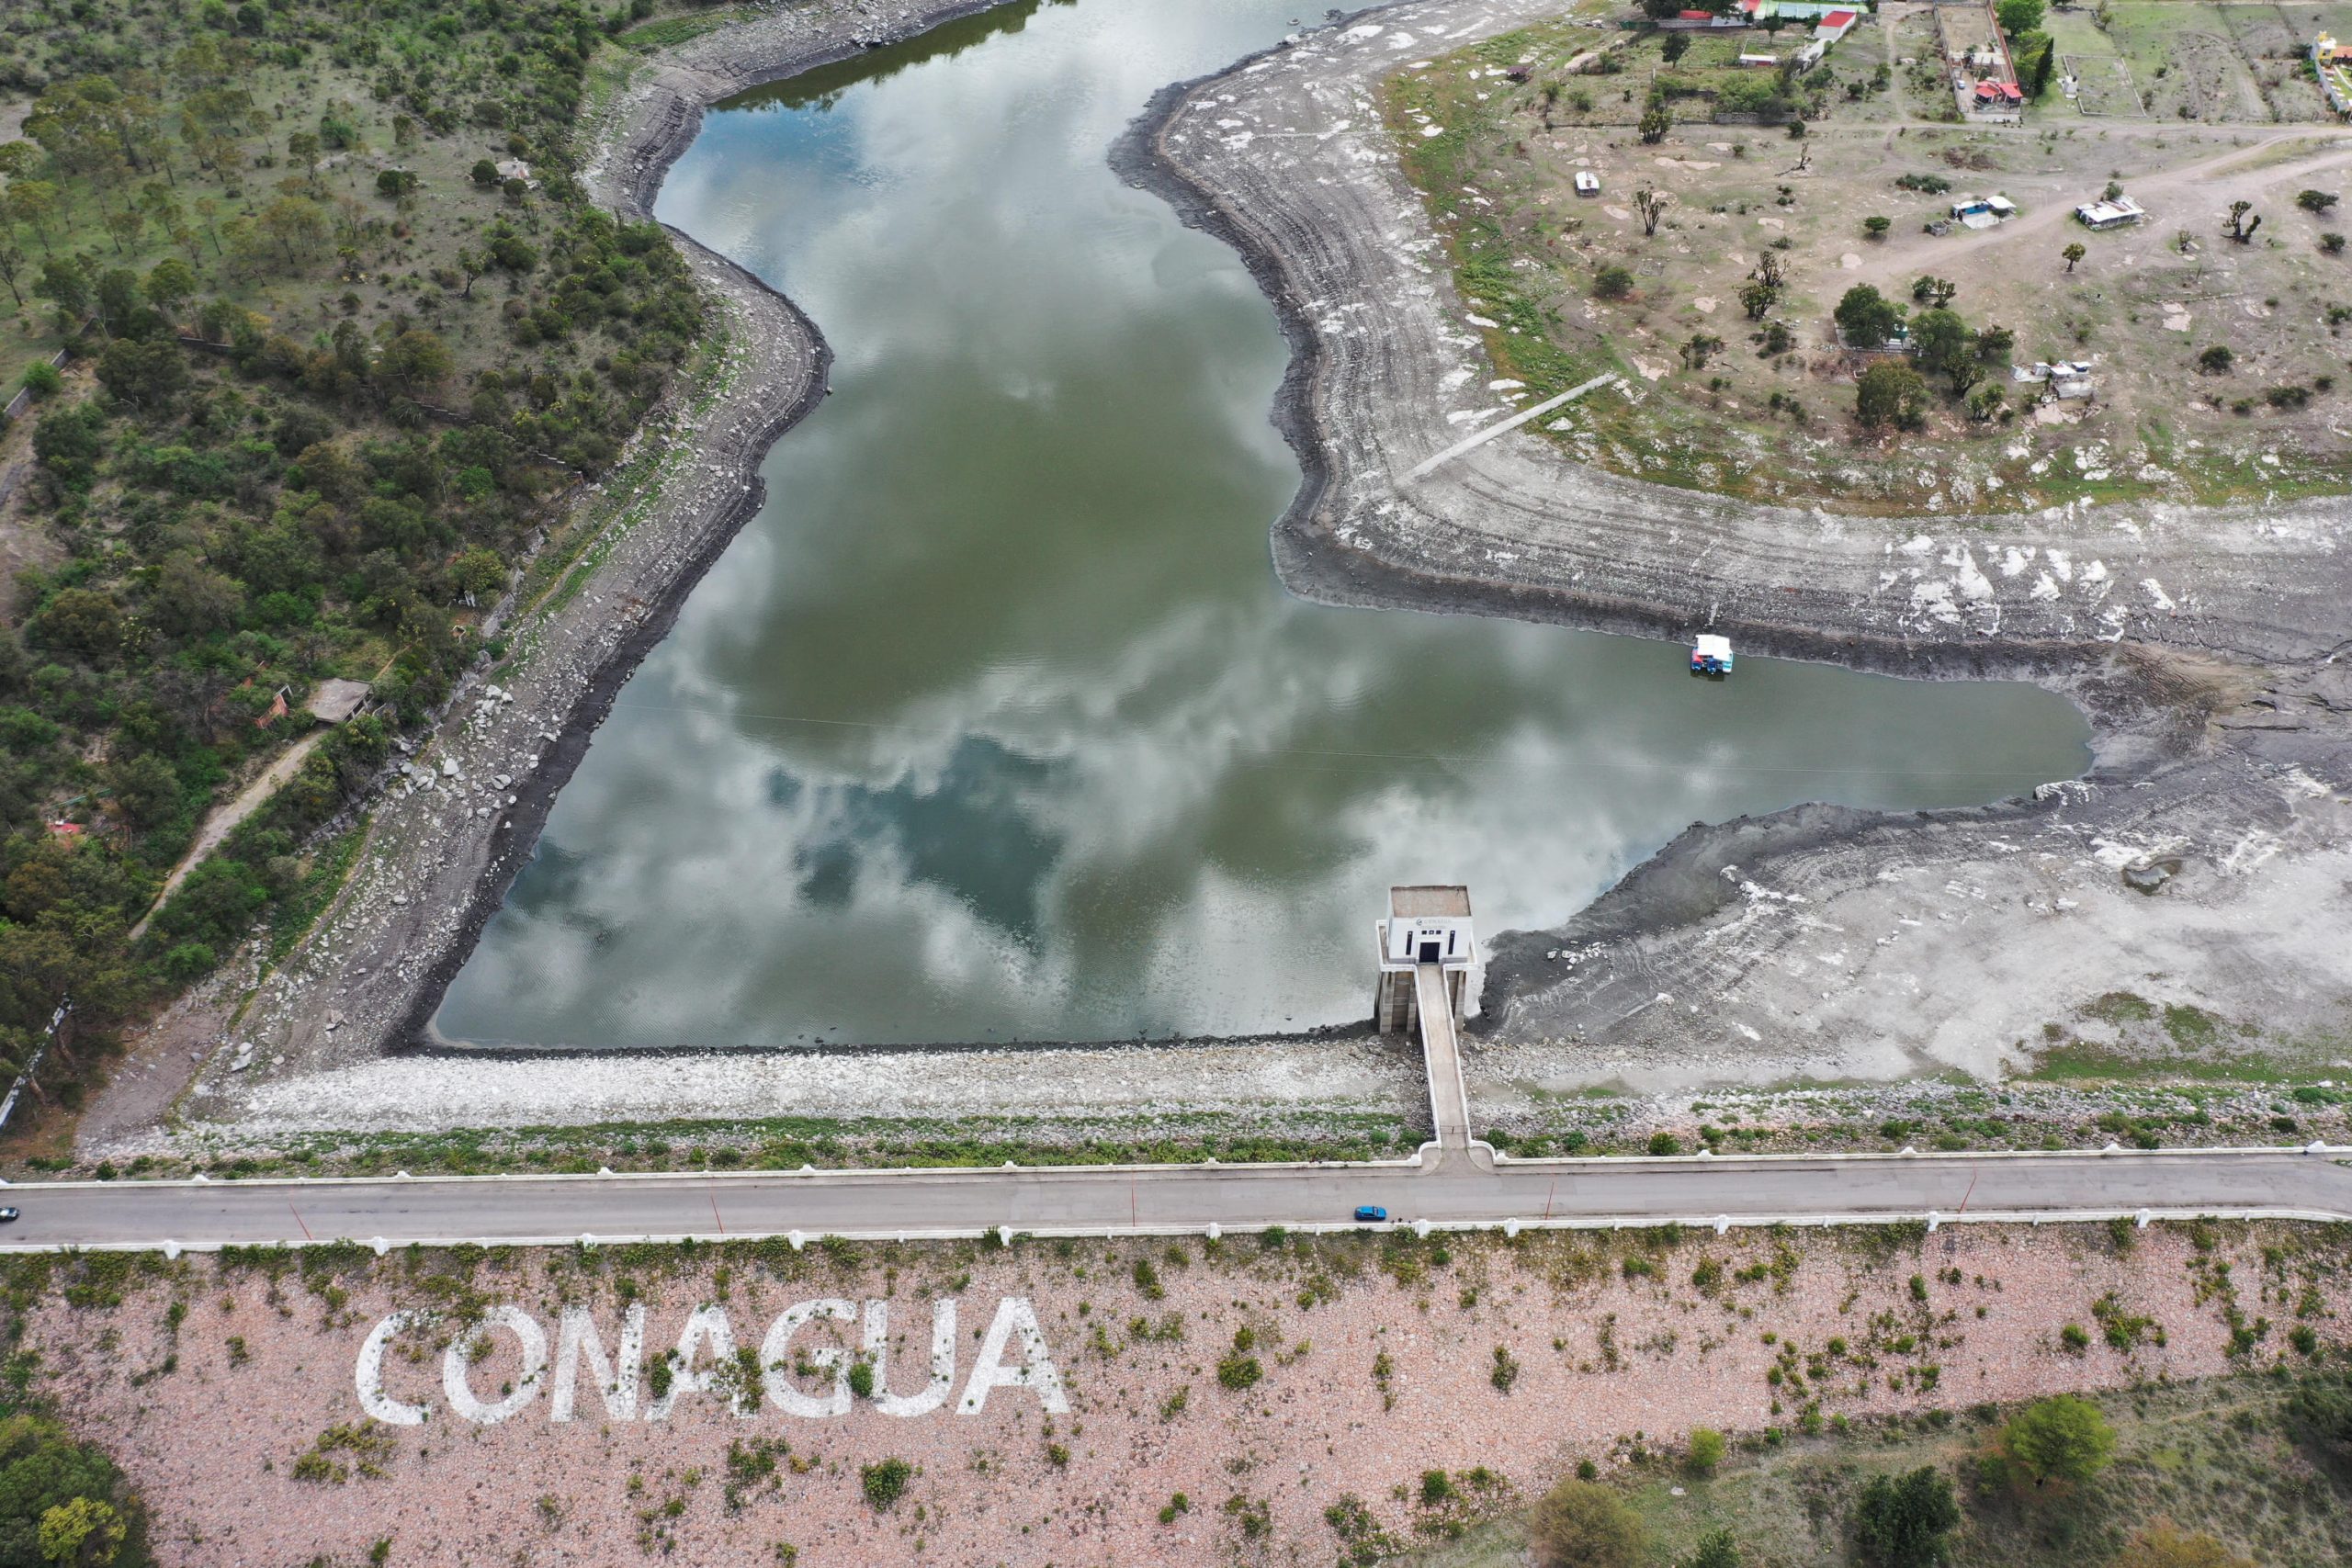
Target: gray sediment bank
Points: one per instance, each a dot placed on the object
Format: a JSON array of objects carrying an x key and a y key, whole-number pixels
[{"x": 2196, "y": 640}]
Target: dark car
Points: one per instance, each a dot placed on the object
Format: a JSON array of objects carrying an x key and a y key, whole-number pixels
[
  {"x": 1367, "y": 1212},
  {"x": 7, "y": 1215}
]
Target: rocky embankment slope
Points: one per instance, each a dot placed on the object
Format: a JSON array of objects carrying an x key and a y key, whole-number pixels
[{"x": 1816, "y": 941}]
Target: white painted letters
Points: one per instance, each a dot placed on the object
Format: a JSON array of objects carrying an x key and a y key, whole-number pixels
[
  {"x": 457, "y": 1361},
  {"x": 1037, "y": 1373},
  {"x": 705, "y": 1362},
  {"x": 577, "y": 1338},
  {"x": 776, "y": 1368},
  {"x": 706, "y": 1326},
  {"x": 379, "y": 1405},
  {"x": 943, "y": 1359}
]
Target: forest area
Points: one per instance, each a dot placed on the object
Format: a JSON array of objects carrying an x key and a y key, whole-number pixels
[{"x": 309, "y": 331}]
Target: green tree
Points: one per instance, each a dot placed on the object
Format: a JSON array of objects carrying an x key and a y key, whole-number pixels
[
  {"x": 2060, "y": 1438},
  {"x": 2319, "y": 1416},
  {"x": 414, "y": 362},
  {"x": 1581, "y": 1524},
  {"x": 2044, "y": 63},
  {"x": 1676, "y": 46},
  {"x": 2315, "y": 200},
  {"x": 1655, "y": 122},
  {"x": 61, "y": 1502},
  {"x": 32, "y": 203},
  {"x": 117, "y": 297},
  {"x": 79, "y": 620},
  {"x": 192, "y": 600},
  {"x": 67, "y": 441},
  {"x": 2019, "y": 17},
  {"x": 296, "y": 227},
  {"x": 1946, "y": 346},
  {"x": 1890, "y": 392},
  {"x": 1612, "y": 282},
  {"x": 2074, "y": 252},
  {"x": 1867, "y": 318},
  {"x": 143, "y": 372},
  {"x": 1717, "y": 1549},
  {"x": 170, "y": 284},
  {"x": 83, "y": 1532},
  {"x": 1905, "y": 1521},
  {"x": 1875, "y": 227},
  {"x": 64, "y": 285},
  {"x": 146, "y": 790},
  {"x": 1706, "y": 1449},
  {"x": 884, "y": 1483}
]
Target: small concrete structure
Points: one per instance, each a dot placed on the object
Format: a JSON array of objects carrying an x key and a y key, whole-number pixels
[
  {"x": 1984, "y": 211},
  {"x": 2333, "y": 62},
  {"x": 2112, "y": 214},
  {"x": 1587, "y": 183},
  {"x": 335, "y": 700},
  {"x": 1425, "y": 925},
  {"x": 2067, "y": 379}
]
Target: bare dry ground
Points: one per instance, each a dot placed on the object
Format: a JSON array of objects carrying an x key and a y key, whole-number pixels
[
  {"x": 1492, "y": 135},
  {"x": 227, "y": 1390}
]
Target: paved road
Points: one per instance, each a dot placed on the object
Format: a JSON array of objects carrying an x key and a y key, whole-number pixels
[{"x": 1458, "y": 1187}]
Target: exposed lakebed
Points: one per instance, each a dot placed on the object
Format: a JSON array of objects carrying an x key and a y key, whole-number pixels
[{"x": 996, "y": 725}]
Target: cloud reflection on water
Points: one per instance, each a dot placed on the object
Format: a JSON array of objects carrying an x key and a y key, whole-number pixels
[{"x": 995, "y": 724}]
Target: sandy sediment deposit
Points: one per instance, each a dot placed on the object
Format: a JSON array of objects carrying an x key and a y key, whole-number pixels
[{"x": 1361, "y": 1363}]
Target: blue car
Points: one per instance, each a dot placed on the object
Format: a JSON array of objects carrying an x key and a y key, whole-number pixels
[{"x": 1371, "y": 1214}]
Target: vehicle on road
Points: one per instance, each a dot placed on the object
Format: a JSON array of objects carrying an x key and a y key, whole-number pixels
[
  {"x": 7, "y": 1216},
  {"x": 1368, "y": 1214}
]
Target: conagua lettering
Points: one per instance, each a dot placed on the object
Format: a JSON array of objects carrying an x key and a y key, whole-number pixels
[{"x": 811, "y": 1376}]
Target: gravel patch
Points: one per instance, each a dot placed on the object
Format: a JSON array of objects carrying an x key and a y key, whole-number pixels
[{"x": 213, "y": 1443}]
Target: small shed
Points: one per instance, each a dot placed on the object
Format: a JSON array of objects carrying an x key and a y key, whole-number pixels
[
  {"x": 1836, "y": 25},
  {"x": 2112, "y": 214},
  {"x": 336, "y": 701},
  {"x": 1587, "y": 183}
]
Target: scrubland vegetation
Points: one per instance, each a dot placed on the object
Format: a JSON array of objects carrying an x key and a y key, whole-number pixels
[{"x": 340, "y": 335}]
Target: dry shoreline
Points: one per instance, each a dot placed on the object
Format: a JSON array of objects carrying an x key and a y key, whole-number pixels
[
  {"x": 2185, "y": 769},
  {"x": 2220, "y": 729}
]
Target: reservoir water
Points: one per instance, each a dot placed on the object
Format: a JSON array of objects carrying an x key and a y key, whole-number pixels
[{"x": 996, "y": 725}]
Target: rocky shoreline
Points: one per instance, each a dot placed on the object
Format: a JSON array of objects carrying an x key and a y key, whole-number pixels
[{"x": 2221, "y": 722}]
